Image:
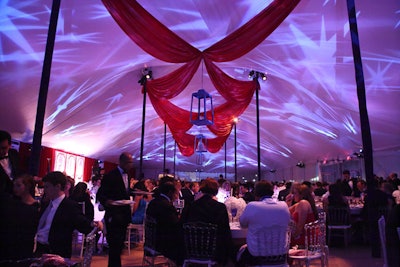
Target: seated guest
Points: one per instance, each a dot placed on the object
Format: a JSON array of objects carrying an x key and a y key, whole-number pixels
[
  {"x": 254, "y": 218},
  {"x": 246, "y": 192},
  {"x": 186, "y": 194},
  {"x": 303, "y": 212},
  {"x": 284, "y": 192},
  {"x": 362, "y": 188},
  {"x": 169, "y": 237},
  {"x": 20, "y": 217},
  {"x": 59, "y": 219},
  {"x": 141, "y": 201},
  {"x": 335, "y": 198},
  {"x": 319, "y": 190},
  {"x": 392, "y": 237},
  {"x": 224, "y": 190},
  {"x": 208, "y": 209}
]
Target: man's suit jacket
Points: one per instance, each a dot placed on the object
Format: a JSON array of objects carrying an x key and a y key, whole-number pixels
[
  {"x": 113, "y": 188},
  {"x": 187, "y": 196},
  {"x": 67, "y": 218},
  {"x": 206, "y": 209},
  {"x": 169, "y": 237},
  {"x": 6, "y": 185}
]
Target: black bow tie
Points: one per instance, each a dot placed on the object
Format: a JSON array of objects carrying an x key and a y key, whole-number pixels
[{"x": 4, "y": 157}]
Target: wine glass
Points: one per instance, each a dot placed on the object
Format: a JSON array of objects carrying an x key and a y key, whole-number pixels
[{"x": 233, "y": 212}]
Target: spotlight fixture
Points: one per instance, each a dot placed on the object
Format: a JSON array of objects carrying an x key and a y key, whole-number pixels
[
  {"x": 147, "y": 74},
  {"x": 300, "y": 164},
  {"x": 256, "y": 74}
]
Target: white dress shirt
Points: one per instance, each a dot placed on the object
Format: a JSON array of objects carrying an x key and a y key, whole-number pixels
[{"x": 44, "y": 226}]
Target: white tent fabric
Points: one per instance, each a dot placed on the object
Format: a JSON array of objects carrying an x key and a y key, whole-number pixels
[{"x": 308, "y": 105}]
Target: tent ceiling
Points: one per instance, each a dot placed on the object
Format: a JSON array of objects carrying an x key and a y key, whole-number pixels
[{"x": 308, "y": 105}]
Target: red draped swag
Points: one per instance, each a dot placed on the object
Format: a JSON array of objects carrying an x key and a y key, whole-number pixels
[{"x": 165, "y": 45}]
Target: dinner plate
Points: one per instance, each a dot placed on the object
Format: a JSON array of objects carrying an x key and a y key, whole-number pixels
[{"x": 122, "y": 202}]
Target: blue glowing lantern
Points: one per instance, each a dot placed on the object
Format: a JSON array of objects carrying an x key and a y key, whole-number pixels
[{"x": 198, "y": 115}]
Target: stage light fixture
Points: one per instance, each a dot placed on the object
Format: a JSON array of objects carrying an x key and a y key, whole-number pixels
[{"x": 300, "y": 164}]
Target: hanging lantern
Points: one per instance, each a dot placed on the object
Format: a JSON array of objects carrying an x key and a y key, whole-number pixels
[
  {"x": 198, "y": 115},
  {"x": 200, "y": 158},
  {"x": 200, "y": 147},
  {"x": 200, "y": 143}
]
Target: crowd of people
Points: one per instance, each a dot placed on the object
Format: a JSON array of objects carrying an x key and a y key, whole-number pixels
[{"x": 65, "y": 207}]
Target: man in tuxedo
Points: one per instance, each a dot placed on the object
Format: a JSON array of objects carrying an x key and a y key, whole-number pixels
[
  {"x": 114, "y": 187},
  {"x": 59, "y": 219},
  {"x": 9, "y": 163}
]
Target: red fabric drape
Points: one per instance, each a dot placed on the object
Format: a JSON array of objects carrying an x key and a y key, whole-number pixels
[{"x": 165, "y": 45}]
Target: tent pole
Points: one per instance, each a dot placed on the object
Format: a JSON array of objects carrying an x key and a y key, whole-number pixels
[
  {"x": 143, "y": 81},
  {"x": 235, "y": 153},
  {"x": 258, "y": 132},
  {"x": 165, "y": 145},
  {"x": 34, "y": 161},
  {"x": 365, "y": 126},
  {"x": 225, "y": 160}
]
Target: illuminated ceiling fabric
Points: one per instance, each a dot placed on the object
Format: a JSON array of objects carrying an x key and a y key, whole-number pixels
[{"x": 157, "y": 40}]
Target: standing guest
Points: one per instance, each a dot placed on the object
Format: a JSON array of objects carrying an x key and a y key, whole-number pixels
[
  {"x": 303, "y": 212},
  {"x": 96, "y": 182},
  {"x": 59, "y": 219},
  {"x": 169, "y": 238},
  {"x": 376, "y": 203},
  {"x": 115, "y": 186},
  {"x": 207, "y": 209},
  {"x": 253, "y": 218},
  {"x": 20, "y": 220},
  {"x": 344, "y": 183},
  {"x": 81, "y": 195},
  {"x": 69, "y": 186},
  {"x": 9, "y": 163}
]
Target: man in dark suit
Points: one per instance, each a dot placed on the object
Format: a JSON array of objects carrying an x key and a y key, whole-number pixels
[
  {"x": 9, "y": 163},
  {"x": 59, "y": 219},
  {"x": 169, "y": 238},
  {"x": 114, "y": 190},
  {"x": 207, "y": 209},
  {"x": 187, "y": 194}
]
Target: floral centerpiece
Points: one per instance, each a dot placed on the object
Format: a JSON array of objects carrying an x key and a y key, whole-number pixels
[{"x": 235, "y": 205}]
